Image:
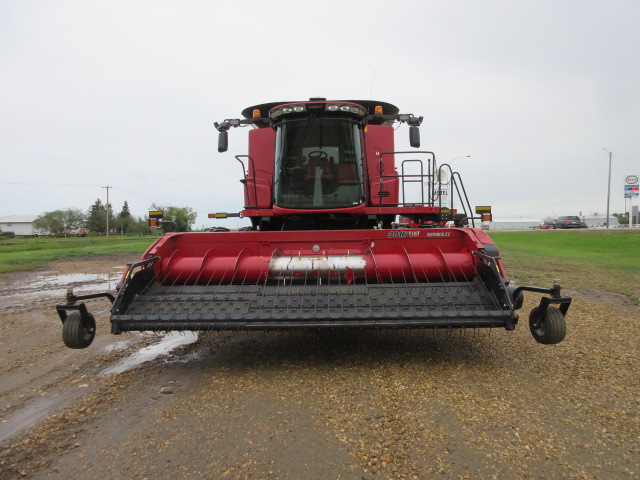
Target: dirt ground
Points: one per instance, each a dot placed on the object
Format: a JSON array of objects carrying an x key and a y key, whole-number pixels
[{"x": 305, "y": 405}]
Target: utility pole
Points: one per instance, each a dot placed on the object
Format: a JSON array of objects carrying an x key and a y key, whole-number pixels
[
  {"x": 608, "y": 186},
  {"x": 108, "y": 187}
]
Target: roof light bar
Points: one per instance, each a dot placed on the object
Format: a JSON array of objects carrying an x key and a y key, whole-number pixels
[{"x": 279, "y": 111}]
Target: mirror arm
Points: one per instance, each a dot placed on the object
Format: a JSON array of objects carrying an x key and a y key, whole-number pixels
[
  {"x": 223, "y": 128},
  {"x": 235, "y": 122}
]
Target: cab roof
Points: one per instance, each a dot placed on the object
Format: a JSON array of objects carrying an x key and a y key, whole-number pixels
[{"x": 368, "y": 105}]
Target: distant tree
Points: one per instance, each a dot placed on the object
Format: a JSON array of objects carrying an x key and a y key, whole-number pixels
[
  {"x": 97, "y": 218},
  {"x": 623, "y": 218},
  {"x": 124, "y": 220},
  {"x": 140, "y": 226},
  {"x": 182, "y": 217},
  {"x": 60, "y": 222},
  {"x": 125, "y": 210}
]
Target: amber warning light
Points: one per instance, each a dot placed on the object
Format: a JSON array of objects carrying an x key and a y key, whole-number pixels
[
  {"x": 224, "y": 215},
  {"x": 485, "y": 213},
  {"x": 154, "y": 217}
]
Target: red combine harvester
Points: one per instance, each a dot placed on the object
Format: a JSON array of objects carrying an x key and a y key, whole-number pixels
[{"x": 324, "y": 191}]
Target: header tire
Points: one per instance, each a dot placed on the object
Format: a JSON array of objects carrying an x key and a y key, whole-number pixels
[{"x": 552, "y": 329}]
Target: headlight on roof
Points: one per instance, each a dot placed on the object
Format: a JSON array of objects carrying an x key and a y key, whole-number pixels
[
  {"x": 275, "y": 113},
  {"x": 347, "y": 108},
  {"x": 285, "y": 110}
]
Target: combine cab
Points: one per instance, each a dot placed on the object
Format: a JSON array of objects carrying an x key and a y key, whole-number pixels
[{"x": 345, "y": 233}]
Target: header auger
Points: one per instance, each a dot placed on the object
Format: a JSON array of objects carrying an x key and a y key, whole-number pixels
[{"x": 345, "y": 233}]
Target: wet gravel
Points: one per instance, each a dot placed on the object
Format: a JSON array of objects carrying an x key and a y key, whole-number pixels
[{"x": 350, "y": 405}]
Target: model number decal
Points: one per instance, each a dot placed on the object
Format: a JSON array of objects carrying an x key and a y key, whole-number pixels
[
  {"x": 403, "y": 234},
  {"x": 438, "y": 234}
]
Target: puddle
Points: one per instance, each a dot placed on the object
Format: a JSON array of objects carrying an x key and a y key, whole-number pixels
[
  {"x": 81, "y": 281},
  {"x": 170, "y": 342},
  {"x": 18, "y": 422},
  {"x": 55, "y": 287},
  {"x": 117, "y": 346}
]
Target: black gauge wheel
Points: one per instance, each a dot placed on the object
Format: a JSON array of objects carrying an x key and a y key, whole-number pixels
[
  {"x": 74, "y": 332},
  {"x": 551, "y": 329}
]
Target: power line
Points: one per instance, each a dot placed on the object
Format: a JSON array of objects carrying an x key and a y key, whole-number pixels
[
  {"x": 536, "y": 162},
  {"x": 136, "y": 194},
  {"x": 50, "y": 184},
  {"x": 44, "y": 184}
]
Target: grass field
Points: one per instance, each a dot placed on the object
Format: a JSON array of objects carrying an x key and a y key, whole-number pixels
[
  {"x": 617, "y": 249},
  {"x": 596, "y": 260},
  {"x": 28, "y": 253}
]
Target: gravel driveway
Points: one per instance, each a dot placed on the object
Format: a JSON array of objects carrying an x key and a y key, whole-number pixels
[{"x": 302, "y": 405}]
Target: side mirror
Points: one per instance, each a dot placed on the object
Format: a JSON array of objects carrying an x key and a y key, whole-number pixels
[
  {"x": 414, "y": 137},
  {"x": 223, "y": 141}
]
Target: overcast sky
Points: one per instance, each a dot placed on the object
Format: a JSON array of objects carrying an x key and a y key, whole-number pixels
[{"x": 125, "y": 93}]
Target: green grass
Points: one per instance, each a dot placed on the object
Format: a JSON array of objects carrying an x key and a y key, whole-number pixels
[
  {"x": 607, "y": 260},
  {"x": 18, "y": 254},
  {"x": 614, "y": 249}
]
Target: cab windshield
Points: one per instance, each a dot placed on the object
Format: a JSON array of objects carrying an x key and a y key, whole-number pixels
[{"x": 318, "y": 163}]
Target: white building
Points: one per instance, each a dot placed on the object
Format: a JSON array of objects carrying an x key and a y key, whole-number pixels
[
  {"x": 515, "y": 223},
  {"x": 599, "y": 221},
  {"x": 18, "y": 224}
]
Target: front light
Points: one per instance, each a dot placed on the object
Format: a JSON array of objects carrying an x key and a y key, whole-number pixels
[{"x": 275, "y": 113}]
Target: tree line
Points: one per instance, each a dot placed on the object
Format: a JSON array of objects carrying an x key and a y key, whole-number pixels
[{"x": 94, "y": 220}]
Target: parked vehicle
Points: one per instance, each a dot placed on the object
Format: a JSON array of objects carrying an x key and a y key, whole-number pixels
[
  {"x": 569, "y": 222},
  {"x": 548, "y": 224}
]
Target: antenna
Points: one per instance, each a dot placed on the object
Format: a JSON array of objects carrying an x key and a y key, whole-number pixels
[{"x": 373, "y": 80}]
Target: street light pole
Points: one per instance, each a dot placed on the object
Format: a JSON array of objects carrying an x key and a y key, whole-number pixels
[
  {"x": 553, "y": 212},
  {"x": 440, "y": 171},
  {"x": 463, "y": 156},
  {"x": 608, "y": 186}
]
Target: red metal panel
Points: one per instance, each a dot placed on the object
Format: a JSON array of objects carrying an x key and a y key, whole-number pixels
[
  {"x": 262, "y": 145},
  {"x": 379, "y": 139}
]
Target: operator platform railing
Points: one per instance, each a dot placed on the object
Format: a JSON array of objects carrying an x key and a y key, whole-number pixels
[{"x": 433, "y": 181}]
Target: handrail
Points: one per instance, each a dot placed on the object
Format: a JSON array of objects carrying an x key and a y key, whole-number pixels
[
  {"x": 404, "y": 178},
  {"x": 246, "y": 179}
]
